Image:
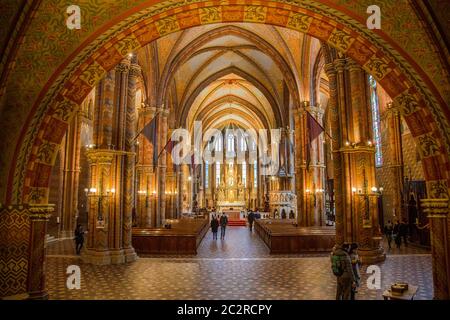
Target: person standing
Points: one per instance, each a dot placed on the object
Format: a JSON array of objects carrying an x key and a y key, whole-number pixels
[
  {"x": 356, "y": 264},
  {"x": 341, "y": 266},
  {"x": 403, "y": 232},
  {"x": 388, "y": 229},
  {"x": 251, "y": 219},
  {"x": 397, "y": 235},
  {"x": 79, "y": 238},
  {"x": 223, "y": 225},
  {"x": 214, "y": 226}
]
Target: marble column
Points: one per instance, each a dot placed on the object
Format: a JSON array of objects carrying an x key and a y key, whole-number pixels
[{"x": 438, "y": 215}]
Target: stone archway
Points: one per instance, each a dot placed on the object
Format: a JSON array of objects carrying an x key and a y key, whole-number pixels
[{"x": 419, "y": 100}]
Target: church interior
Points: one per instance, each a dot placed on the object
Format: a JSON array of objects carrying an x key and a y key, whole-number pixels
[{"x": 151, "y": 119}]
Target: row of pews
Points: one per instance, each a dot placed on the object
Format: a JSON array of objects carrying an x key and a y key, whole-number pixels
[
  {"x": 183, "y": 237},
  {"x": 281, "y": 236}
]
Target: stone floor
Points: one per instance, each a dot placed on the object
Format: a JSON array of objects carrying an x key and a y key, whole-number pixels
[{"x": 238, "y": 268}]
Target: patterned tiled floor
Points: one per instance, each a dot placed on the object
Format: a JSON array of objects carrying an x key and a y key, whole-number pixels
[{"x": 238, "y": 268}]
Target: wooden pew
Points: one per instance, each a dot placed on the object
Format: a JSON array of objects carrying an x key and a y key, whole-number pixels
[
  {"x": 183, "y": 238},
  {"x": 281, "y": 236}
]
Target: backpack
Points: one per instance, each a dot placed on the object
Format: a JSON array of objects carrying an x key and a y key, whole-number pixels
[{"x": 337, "y": 265}]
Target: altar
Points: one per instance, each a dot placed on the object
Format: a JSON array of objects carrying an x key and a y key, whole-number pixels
[
  {"x": 231, "y": 194},
  {"x": 233, "y": 214}
]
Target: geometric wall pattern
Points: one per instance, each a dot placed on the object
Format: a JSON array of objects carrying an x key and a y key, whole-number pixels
[{"x": 14, "y": 250}]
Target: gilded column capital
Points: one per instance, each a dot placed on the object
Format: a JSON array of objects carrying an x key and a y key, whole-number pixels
[
  {"x": 339, "y": 65},
  {"x": 145, "y": 110},
  {"x": 351, "y": 65},
  {"x": 164, "y": 112},
  {"x": 123, "y": 66},
  {"x": 104, "y": 156},
  {"x": 330, "y": 70},
  {"x": 435, "y": 208},
  {"x": 135, "y": 70},
  {"x": 40, "y": 212}
]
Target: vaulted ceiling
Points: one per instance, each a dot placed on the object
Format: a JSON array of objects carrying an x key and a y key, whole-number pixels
[{"x": 248, "y": 74}]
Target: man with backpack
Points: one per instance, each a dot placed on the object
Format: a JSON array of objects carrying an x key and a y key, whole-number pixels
[{"x": 341, "y": 265}]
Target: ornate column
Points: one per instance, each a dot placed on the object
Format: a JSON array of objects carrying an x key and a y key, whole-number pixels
[
  {"x": 71, "y": 176},
  {"x": 112, "y": 175},
  {"x": 22, "y": 242},
  {"x": 395, "y": 166},
  {"x": 354, "y": 160},
  {"x": 39, "y": 215},
  {"x": 130, "y": 162},
  {"x": 162, "y": 166},
  {"x": 332, "y": 71},
  {"x": 438, "y": 214},
  {"x": 317, "y": 173},
  {"x": 145, "y": 173},
  {"x": 300, "y": 167},
  {"x": 104, "y": 108}
]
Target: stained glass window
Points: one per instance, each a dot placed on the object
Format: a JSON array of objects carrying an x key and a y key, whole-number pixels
[
  {"x": 206, "y": 174},
  {"x": 376, "y": 121},
  {"x": 217, "y": 174},
  {"x": 255, "y": 174},
  {"x": 244, "y": 174}
]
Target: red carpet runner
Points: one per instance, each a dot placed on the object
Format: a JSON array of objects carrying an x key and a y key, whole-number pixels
[{"x": 237, "y": 223}]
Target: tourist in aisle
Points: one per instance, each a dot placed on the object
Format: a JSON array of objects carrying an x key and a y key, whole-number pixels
[
  {"x": 214, "y": 226},
  {"x": 356, "y": 264},
  {"x": 251, "y": 219},
  {"x": 341, "y": 265},
  {"x": 223, "y": 225},
  {"x": 79, "y": 238},
  {"x": 388, "y": 229},
  {"x": 397, "y": 235}
]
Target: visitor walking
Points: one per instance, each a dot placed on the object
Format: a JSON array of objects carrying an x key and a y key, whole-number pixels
[
  {"x": 223, "y": 225},
  {"x": 79, "y": 238},
  {"x": 214, "y": 226},
  {"x": 403, "y": 231},
  {"x": 397, "y": 235},
  {"x": 356, "y": 264},
  {"x": 342, "y": 268},
  {"x": 251, "y": 219},
  {"x": 388, "y": 229}
]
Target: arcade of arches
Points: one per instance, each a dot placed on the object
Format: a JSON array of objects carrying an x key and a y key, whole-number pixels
[{"x": 357, "y": 120}]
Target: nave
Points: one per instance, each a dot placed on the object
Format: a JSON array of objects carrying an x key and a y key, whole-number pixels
[{"x": 238, "y": 268}]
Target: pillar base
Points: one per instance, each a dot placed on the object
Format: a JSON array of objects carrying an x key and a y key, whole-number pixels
[
  {"x": 130, "y": 255},
  {"x": 67, "y": 234},
  {"x": 38, "y": 295},
  {"x": 20, "y": 296},
  {"x": 372, "y": 255},
  {"x": 109, "y": 256}
]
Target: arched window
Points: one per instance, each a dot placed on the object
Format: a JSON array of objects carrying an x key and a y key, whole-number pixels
[
  {"x": 206, "y": 174},
  {"x": 217, "y": 174},
  {"x": 218, "y": 144},
  {"x": 230, "y": 143},
  {"x": 255, "y": 174},
  {"x": 244, "y": 173},
  {"x": 243, "y": 146},
  {"x": 376, "y": 121}
]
